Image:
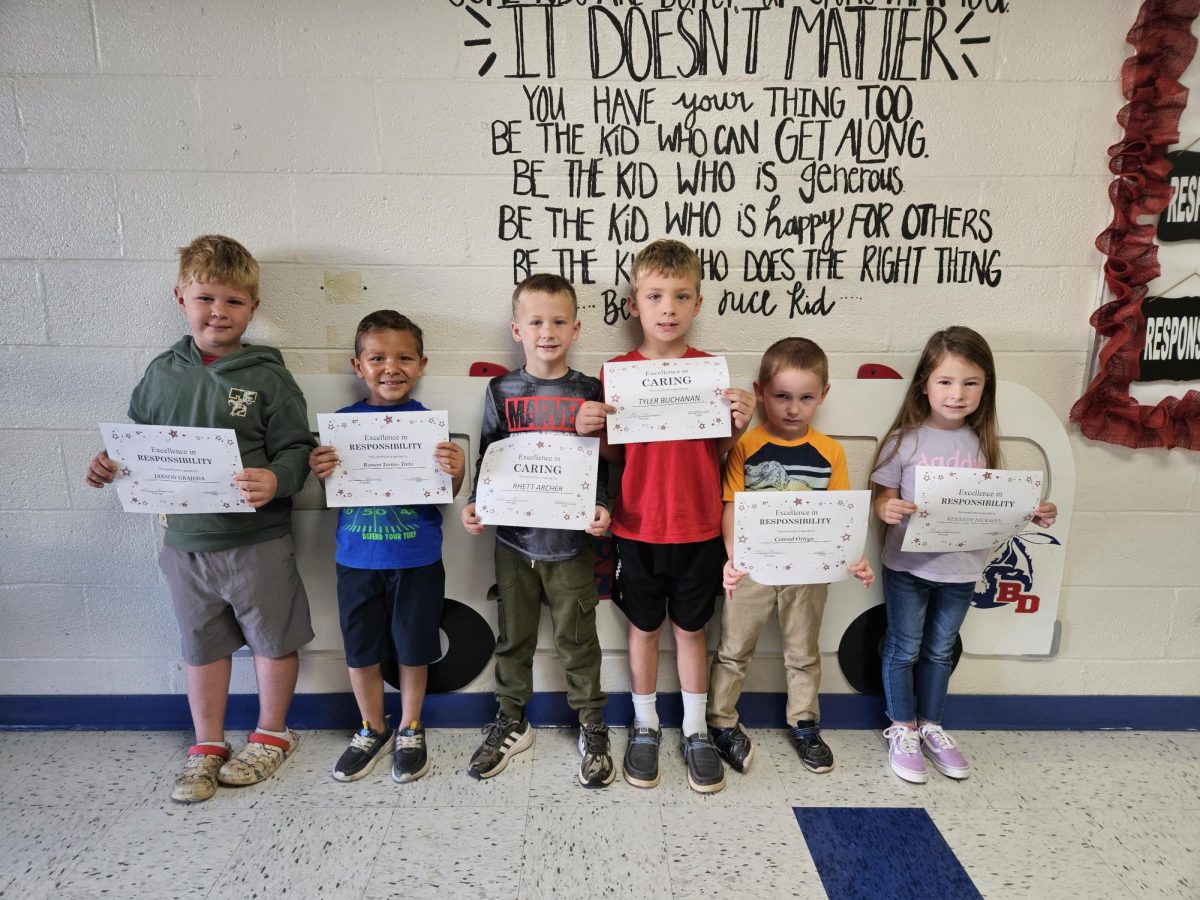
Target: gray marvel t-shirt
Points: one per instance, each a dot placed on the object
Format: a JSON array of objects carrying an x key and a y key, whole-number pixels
[{"x": 928, "y": 446}]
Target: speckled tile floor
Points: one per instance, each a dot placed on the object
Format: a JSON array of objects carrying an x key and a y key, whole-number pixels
[{"x": 1045, "y": 815}]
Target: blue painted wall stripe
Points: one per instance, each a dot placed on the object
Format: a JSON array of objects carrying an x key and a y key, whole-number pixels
[
  {"x": 473, "y": 710},
  {"x": 882, "y": 854}
]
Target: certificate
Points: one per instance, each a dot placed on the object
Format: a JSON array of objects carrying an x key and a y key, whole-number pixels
[
  {"x": 386, "y": 459},
  {"x": 166, "y": 469},
  {"x": 969, "y": 509},
  {"x": 667, "y": 399},
  {"x": 539, "y": 480},
  {"x": 799, "y": 537}
]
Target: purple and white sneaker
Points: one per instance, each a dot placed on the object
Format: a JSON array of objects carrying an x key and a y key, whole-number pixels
[
  {"x": 941, "y": 750},
  {"x": 904, "y": 754}
]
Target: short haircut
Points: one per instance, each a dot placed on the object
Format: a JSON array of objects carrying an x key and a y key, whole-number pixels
[
  {"x": 216, "y": 259},
  {"x": 545, "y": 283},
  {"x": 388, "y": 319},
  {"x": 670, "y": 257},
  {"x": 793, "y": 353}
]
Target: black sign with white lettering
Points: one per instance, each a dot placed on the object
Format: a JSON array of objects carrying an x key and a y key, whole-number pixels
[
  {"x": 1172, "y": 350},
  {"x": 1180, "y": 221}
]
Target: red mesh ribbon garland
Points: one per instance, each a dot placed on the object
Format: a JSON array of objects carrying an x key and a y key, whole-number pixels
[{"x": 1163, "y": 47}]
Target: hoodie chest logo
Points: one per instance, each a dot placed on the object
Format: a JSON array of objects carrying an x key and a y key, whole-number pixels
[{"x": 240, "y": 400}]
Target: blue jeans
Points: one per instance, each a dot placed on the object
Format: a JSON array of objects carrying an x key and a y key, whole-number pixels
[{"x": 923, "y": 620}]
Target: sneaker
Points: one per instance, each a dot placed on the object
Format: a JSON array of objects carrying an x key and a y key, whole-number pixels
[
  {"x": 940, "y": 749},
  {"x": 411, "y": 759},
  {"x": 734, "y": 745},
  {"x": 505, "y": 737},
  {"x": 366, "y": 747},
  {"x": 815, "y": 754},
  {"x": 904, "y": 754},
  {"x": 198, "y": 780},
  {"x": 596, "y": 768},
  {"x": 705, "y": 773},
  {"x": 259, "y": 759},
  {"x": 641, "y": 757}
]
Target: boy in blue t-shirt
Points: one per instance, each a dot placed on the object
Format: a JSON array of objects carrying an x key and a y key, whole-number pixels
[{"x": 389, "y": 592}]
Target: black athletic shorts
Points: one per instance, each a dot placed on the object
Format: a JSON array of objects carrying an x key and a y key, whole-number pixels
[{"x": 654, "y": 581}]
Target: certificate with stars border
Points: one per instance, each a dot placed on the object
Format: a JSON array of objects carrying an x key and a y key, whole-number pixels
[
  {"x": 667, "y": 399},
  {"x": 969, "y": 509},
  {"x": 386, "y": 459},
  {"x": 539, "y": 480},
  {"x": 174, "y": 469},
  {"x": 799, "y": 537}
]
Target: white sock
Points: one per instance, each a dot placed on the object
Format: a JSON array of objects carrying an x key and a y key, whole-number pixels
[
  {"x": 282, "y": 735},
  {"x": 645, "y": 710},
  {"x": 693, "y": 713},
  {"x": 217, "y": 745}
]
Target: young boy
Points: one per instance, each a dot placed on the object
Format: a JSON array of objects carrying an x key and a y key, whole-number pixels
[
  {"x": 390, "y": 593},
  {"x": 232, "y": 576},
  {"x": 545, "y": 395},
  {"x": 782, "y": 454},
  {"x": 667, "y": 526}
]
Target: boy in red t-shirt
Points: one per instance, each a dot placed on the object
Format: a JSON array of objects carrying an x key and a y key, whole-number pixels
[{"x": 667, "y": 525}]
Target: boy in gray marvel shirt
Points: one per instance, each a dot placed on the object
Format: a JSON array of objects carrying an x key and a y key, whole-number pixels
[{"x": 545, "y": 395}]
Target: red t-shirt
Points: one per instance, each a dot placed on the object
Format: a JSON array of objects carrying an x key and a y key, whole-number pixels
[{"x": 670, "y": 490}]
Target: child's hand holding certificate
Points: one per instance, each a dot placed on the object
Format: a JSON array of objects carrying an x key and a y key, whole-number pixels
[
  {"x": 539, "y": 480},
  {"x": 969, "y": 509},
  {"x": 667, "y": 399},
  {"x": 386, "y": 459},
  {"x": 799, "y": 537}
]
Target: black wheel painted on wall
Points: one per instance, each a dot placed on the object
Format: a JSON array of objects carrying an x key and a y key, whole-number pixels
[
  {"x": 470, "y": 643},
  {"x": 860, "y": 653}
]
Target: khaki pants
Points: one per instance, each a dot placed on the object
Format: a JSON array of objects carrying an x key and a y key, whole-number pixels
[
  {"x": 570, "y": 588},
  {"x": 800, "y": 608}
]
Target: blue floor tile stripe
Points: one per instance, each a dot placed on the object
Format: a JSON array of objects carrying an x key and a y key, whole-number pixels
[{"x": 878, "y": 854}]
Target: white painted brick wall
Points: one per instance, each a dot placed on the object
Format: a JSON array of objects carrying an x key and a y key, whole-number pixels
[{"x": 335, "y": 138}]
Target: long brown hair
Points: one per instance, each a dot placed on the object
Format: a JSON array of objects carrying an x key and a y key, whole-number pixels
[{"x": 957, "y": 340}]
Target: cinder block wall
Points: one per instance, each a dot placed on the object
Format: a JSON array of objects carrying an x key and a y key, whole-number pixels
[{"x": 352, "y": 144}]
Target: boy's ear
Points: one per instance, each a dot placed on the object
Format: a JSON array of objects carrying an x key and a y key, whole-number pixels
[
  {"x": 357, "y": 366},
  {"x": 575, "y": 330},
  {"x": 631, "y": 303},
  {"x": 178, "y": 296},
  {"x": 758, "y": 392},
  {"x": 515, "y": 330},
  {"x": 824, "y": 392}
]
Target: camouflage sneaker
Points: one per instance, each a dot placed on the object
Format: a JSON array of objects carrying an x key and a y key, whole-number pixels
[
  {"x": 259, "y": 759},
  {"x": 198, "y": 780},
  {"x": 504, "y": 738},
  {"x": 596, "y": 766}
]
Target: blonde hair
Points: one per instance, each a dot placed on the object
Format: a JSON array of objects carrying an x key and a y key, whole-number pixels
[
  {"x": 544, "y": 283},
  {"x": 957, "y": 340},
  {"x": 793, "y": 353},
  {"x": 216, "y": 259},
  {"x": 669, "y": 257}
]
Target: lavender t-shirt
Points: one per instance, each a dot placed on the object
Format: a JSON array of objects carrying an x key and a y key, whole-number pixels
[{"x": 926, "y": 446}]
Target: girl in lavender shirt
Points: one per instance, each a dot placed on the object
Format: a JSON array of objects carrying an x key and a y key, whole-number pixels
[{"x": 948, "y": 418}]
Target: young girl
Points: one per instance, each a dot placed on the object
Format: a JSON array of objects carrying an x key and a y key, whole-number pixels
[{"x": 948, "y": 417}]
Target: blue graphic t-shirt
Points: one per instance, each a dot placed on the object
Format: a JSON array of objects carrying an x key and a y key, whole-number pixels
[{"x": 388, "y": 537}]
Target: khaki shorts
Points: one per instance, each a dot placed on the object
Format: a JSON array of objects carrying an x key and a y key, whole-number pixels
[{"x": 244, "y": 596}]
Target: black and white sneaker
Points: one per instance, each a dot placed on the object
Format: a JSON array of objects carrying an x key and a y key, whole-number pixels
[
  {"x": 504, "y": 737},
  {"x": 411, "y": 759},
  {"x": 641, "y": 757},
  {"x": 596, "y": 768},
  {"x": 705, "y": 773},
  {"x": 814, "y": 753},
  {"x": 734, "y": 745},
  {"x": 366, "y": 747}
]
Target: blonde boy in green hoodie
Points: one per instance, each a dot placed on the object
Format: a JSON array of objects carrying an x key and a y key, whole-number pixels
[{"x": 232, "y": 576}]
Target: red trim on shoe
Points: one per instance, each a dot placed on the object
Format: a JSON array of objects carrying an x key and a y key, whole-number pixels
[
  {"x": 208, "y": 750},
  {"x": 257, "y": 737}
]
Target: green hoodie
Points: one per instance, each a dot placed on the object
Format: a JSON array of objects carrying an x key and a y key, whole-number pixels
[{"x": 252, "y": 392}]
